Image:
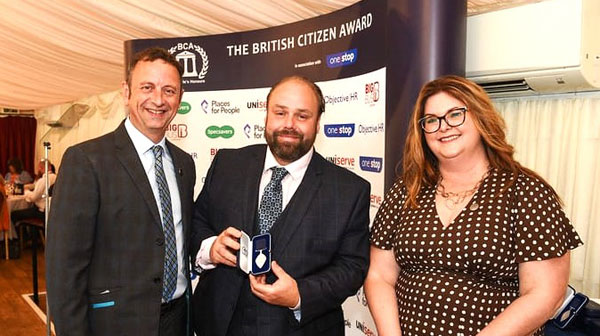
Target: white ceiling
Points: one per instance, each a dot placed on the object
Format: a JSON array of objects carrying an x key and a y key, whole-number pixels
[{"x": 56, "y": 51}]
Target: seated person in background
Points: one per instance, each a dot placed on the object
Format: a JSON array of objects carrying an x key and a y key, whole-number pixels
[
  {"x": 4, "y": 222},
  {"x": 35, "y": 197},
  {"x": 468, "y": 241},
  {"x": 16, "y": 174},
  {"x": 40, "y": 174}
]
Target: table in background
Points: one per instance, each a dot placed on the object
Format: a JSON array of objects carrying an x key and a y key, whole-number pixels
[{"x": 14, "y": 203}]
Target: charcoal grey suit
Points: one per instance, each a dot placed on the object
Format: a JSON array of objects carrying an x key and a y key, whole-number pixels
[{"x": 105, "y": 246}]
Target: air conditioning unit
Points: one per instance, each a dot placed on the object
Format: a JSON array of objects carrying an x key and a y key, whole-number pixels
[{"x": 551, "y": 46}]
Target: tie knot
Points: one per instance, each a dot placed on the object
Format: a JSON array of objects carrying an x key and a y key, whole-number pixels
[
  {"x": 278, "y": 174},
  {"x": 158, "y": 150}
]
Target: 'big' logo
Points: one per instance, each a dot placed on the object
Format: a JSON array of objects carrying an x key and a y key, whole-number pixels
[{"x": 371, "y": 92}]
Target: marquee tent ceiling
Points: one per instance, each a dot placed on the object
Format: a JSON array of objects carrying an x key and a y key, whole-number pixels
[{"x": 56, "y": 51}]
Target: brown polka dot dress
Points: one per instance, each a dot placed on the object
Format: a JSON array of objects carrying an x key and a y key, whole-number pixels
[{"x": 454, "y": 281}]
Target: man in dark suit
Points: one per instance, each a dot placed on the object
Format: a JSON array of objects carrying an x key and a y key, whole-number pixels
[
  {"x": 117, "y": 250},
  {"x": 316, "y": 212}
]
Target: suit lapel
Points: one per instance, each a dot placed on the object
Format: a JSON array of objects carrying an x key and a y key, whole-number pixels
[
  {"x": 250, "y": 188},
  {"x": 125, "y": 152},
  {"x": 283, "y": 230}
]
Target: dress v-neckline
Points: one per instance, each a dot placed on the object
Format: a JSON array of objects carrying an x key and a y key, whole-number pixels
[{"x": 460, "y": 213}]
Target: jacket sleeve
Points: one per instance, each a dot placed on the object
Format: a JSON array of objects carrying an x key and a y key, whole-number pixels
[
  {"x": 201, "y": 228},
  {"x": 70, "y": 241},
  {"x": 325, "y": 290}
]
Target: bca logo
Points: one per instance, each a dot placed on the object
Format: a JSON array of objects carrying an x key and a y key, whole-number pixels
[
  {"x": 194, "y": 60},
  {"x": 371, "y": 92}
]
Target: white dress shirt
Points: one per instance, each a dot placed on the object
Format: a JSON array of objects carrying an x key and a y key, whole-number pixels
[
  {"x": 143, "y": 147},
  {"x": 289, "y": 185},
  {"x": 39, "y": 188}
]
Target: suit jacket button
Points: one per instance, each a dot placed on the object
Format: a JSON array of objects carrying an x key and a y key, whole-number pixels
[
  {"x": 160, "y": 241},
  {"x": 157, "y": 280}
]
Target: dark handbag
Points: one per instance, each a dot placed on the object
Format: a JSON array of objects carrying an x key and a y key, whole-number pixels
[
  {"x": 590, "y": 316},
  {"x": 14, "y": 250},
  {"x": 587, "y": 322}
]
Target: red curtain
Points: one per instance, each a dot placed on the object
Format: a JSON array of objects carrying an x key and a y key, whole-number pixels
[{"x": 17, "y": 139}]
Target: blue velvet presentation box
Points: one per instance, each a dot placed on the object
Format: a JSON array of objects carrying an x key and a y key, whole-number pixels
[{"x": 254, "y": 255}]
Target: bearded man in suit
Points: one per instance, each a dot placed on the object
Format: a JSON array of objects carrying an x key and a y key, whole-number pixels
[{"x": 316, "y": 212}]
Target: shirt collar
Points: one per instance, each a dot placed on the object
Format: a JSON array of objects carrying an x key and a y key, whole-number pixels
[
  {"x": 296, "y": 169},
  {"x": 141, "y": 143}
]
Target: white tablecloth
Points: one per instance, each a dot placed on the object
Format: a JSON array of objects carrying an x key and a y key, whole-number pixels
[{"x": 15, "y": 202}]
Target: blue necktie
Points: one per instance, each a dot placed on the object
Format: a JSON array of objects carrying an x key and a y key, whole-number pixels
[
  {"x": 271, "y": 202},
  {"x": 170, "y": 266}
]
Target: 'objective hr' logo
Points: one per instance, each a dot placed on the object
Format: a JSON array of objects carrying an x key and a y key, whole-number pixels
[
  {"x": 339, "y": 130},
  {"x": 216, "y": 131},
  {"x": 371, "y": 164},
  {"x": 342, "y": 58}
]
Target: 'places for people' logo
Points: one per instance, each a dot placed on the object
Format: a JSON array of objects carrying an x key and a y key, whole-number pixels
[
  {"x": 204, "y": 106},
  {"x": 254, "y": 131},
  {"x": 194, "y": 60}
]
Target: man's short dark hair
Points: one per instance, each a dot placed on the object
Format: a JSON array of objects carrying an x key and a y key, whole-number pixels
[
  {"x": 152, "y": 54},
  {"x": 311, "y": 84}
]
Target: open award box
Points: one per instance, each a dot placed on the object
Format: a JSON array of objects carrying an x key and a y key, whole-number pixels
[{"x": 254, "y": 255}]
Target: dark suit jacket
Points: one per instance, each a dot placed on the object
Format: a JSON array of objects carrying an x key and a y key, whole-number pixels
[
  {"x": 105, "y": 240},
  {"x": 321, "y": 240}
]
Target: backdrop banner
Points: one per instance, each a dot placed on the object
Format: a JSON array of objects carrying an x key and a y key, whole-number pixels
[{"x": 227, "y": 78}]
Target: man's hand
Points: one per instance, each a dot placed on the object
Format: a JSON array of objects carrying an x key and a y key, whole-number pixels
[
  {"x": 225, "y": 247},
  {"x": 283, "y": 292}
]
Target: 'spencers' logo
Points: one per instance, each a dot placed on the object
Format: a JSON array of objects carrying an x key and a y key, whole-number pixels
[{"x": 186, "y": 55}]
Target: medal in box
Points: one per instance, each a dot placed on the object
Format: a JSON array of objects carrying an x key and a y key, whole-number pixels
[{"x": 254, "y": 255}]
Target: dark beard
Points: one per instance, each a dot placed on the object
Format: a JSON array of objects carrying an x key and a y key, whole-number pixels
[{"x": 284, "y": 151}]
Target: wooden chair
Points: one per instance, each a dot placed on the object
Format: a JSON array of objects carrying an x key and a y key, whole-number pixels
[{"x": 34, "y": 223}]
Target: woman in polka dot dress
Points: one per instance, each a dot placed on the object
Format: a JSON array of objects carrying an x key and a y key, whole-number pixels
[{"x": 468, "y": 241}]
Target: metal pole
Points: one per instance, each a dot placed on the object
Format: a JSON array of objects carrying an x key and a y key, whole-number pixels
[{"x": 47, "y": 210}]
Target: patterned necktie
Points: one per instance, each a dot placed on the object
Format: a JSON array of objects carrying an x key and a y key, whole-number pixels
[
  {"x": 170, "y": 266},
  {"x": 271, "y": 202}
]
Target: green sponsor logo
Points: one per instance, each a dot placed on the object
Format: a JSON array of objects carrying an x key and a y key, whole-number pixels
[
  {"x": 214, "y": 132},
  {"x": 184, "y": 108}
]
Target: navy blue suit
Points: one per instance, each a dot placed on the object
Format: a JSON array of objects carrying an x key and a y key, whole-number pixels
[{"x": 320, "y": 239}]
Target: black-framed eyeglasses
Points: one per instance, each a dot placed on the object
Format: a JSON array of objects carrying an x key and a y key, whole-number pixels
[{"x": 454, "y": 117}]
